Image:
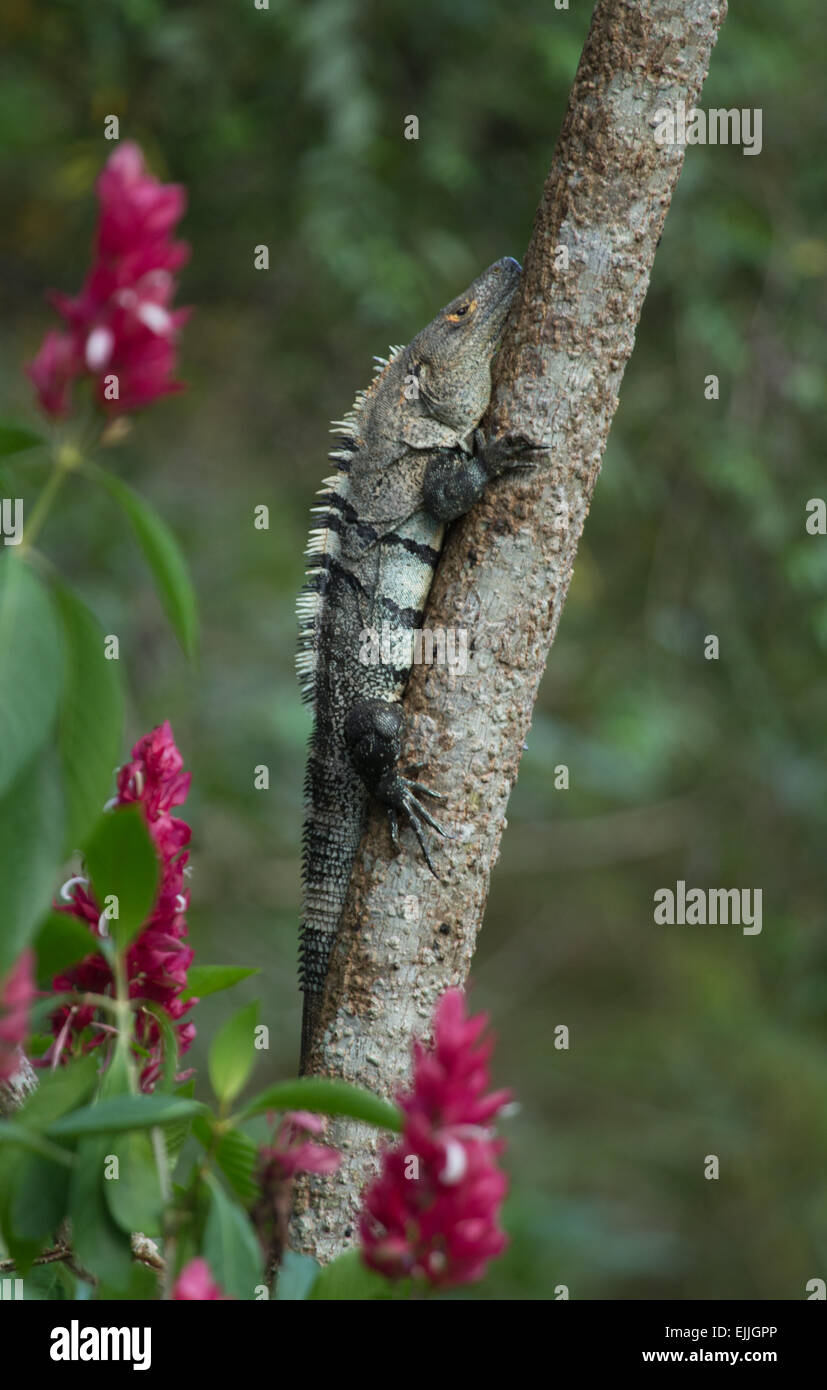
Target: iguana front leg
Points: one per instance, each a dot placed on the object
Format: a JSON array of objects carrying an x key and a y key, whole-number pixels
[{"x": 455, "y": 480}]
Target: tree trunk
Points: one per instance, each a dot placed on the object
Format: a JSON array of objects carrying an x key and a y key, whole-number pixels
[{"x": 506, "y": 569}]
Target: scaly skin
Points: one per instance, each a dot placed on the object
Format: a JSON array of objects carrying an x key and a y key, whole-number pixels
[{"x": 410, "y": 461}]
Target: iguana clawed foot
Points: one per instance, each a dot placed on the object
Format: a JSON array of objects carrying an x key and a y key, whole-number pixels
[
  {"x": 508, "y": 452},
  {"x": 454, "y": 481},
  {"x": 397, "y": 795},
  {"x": 373, "y": 730}
]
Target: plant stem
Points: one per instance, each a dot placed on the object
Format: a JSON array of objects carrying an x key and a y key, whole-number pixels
[{"x": 67, "y": 459}]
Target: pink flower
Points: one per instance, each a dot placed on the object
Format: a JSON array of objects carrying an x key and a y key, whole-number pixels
[
  {"x": 16, "y": 994},
  {"x": 155, "y": 774},
  {"x": 157, "y": 960},
  {"x": 196, "y": 1284},
  {"x": 121, "y": 324},
  {"x": 291, "y": 1152},
  {"x": 52, "y": 371},
  {"x": 138, "y": 214},
  {"x": 433, "y": 1212}
]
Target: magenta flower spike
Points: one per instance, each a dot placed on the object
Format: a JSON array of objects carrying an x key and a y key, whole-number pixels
[
  {"x": 157, "y": 960},
  {"x": 16, "y": 994},
  {"x": 196, "y": 1284},
  {"x": 433, "y": 1212},
  {"x": 121, "y": 330}
]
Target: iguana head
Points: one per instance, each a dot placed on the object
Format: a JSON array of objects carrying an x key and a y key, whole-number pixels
[{"x": 452, "y": 356}]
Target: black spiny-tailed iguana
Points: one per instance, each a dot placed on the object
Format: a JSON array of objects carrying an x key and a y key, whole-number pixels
[{"x": 410, "y": 460}]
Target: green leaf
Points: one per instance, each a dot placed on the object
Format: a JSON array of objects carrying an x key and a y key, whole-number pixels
[
  {"x": 8, "y": 486},
  {"x": 176, "y": 1135},
  {"x": 142, "y": 1286},
  {"x": 191, "y": 1205},
  {"x": 209, "y": 979},
  {"x": 230, "y": 1245},
  {"x": 348, "y": 1278},
  {"x": 297, "y": 1275},
  {"x": 237, "y": 1157},
  {"x": 90, "y": 717},
  {"x": 164, "y": 557},
  {"x": 96, "y": 1240},
  {"x": 61, "y": 941},
  {"x": 326, "y": 1097},
  {"x": 22, "y": 1252},
  {"x": 169, "y": 1041},
  {"x": 131, "y": 1191},
  {"x": 39, "y": 1199},
  {"x": 236, "y": 1154},
  {"x": 59, "y": 1092},
  {"x": 118, "y": 1113},
  {"x": 53, "y": 1282},
  {"x": 15, "y": 438},
  {"x": 18, "y": 1136},
  {"x": 232, "y": 1053},
  {"x": 134, "y": 1197},
  {"x": 31, "y": 824},
  {"x": 31, "y": 662},
  {"x": 123, "y": 863}
]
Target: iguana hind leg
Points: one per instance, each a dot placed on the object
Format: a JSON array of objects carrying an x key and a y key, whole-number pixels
[{"x": 373, "y": 732}]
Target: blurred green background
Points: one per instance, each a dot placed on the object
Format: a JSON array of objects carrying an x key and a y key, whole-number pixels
[{"x": 286, "y": 127}]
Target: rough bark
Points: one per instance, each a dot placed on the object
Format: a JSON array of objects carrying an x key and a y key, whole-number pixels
[{"x": 506, "y": 570}]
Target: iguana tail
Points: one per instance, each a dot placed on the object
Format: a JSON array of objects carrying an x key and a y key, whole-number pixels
[{"x": 336, "y": 800}]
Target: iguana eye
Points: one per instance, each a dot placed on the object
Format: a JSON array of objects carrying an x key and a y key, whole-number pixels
[{"x": 461, "y": 312}]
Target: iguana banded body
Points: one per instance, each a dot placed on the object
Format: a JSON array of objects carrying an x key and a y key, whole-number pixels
[{"x": 409, "y": 460}]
